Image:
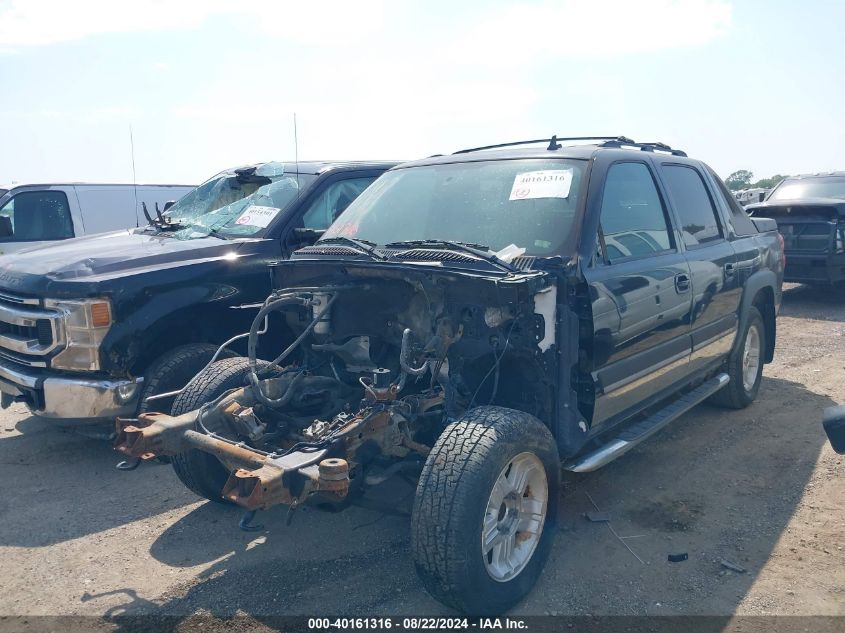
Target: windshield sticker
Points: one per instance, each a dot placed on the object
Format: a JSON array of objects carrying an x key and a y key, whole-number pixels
[
  {"x": 257, "y": 216},
  {"x": 550, "y": 183}
]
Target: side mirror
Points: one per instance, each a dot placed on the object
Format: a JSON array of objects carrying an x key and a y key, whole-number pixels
[
  {"x": 834, "y": 425},
  {"x": 169, "y": 204},
  {"x": 6, "y": 226},
  {"x": 306, "y": 237}
]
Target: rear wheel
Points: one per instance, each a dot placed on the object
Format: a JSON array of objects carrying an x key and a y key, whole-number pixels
[
  {"x": 201, "y": 472},
  {"x": 745, "y": 365},
  {"x": 485, "y": 510}
]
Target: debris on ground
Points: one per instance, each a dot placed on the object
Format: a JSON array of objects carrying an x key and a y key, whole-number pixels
[
  {"x": 732, "y": 566},
  {"x": 606, "y": 521}
]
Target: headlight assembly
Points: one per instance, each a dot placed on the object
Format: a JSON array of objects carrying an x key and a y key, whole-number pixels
[{"x": 84, "y": 325}]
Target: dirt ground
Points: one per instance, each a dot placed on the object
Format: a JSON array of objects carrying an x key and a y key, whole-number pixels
[{"x": 760, "y": 488}]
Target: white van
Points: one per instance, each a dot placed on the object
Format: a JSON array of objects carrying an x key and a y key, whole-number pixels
[{"x": 33, "y": 214}]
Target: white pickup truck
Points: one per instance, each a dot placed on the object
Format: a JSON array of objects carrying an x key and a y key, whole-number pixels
[{"x": 34, "y": 214}]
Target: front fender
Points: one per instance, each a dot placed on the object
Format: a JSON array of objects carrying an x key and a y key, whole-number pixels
[{"x": 140, "y": 323}]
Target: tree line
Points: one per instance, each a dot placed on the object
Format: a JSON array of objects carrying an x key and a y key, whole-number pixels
[{"x": 742, "y": 179}]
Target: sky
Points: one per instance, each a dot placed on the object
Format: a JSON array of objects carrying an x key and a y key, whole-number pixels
[{"x": 209, "y": 84}]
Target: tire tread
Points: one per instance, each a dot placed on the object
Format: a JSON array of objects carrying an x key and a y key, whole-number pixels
[
  {"x": 459, "y": 453},
  {"x": 200, "y": 471}
]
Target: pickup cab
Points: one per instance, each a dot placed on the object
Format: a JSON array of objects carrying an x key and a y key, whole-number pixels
[
  {"x": 92, "y": 326},
  {"x": 478, "y": 321}
]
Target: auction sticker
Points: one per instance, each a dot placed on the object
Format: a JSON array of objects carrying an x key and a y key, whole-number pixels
[
  {"x": 257, "y": 216},
  {"x": 550, "y": 183}
]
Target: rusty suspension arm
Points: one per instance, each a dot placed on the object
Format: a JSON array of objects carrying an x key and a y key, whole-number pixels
[
  {"x": 257, "y": 481},
  {"x": 156, "y": 434}
]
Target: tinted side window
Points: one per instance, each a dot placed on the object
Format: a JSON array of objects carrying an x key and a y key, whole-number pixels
[
  {"x": 35, "y": 216},
  {"x": 333, "y": 201},
  {"x": 693, "y": 204},
  {"x": 633, "y": 219}
]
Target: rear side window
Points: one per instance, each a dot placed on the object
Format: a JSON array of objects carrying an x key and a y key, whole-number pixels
[
  {"x": 694, "y": 206},
  {"x": 742, "y": 224},
  {"x": 34, "y": 216},
  {"x": 633, "y": 219}
]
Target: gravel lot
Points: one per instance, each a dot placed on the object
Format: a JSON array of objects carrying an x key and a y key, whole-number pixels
[{"x": 760, "y": 488}]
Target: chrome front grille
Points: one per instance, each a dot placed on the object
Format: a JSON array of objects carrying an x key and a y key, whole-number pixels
[
  {"x": 27, "y": 331},
  {"x": 6, "y": 297}
]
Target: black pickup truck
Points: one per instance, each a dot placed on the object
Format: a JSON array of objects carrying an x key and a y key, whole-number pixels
[
  {"x": 477, "y": 320},
  {"x": 90, "y": 327},
  {"x": 810, "y": 214}
]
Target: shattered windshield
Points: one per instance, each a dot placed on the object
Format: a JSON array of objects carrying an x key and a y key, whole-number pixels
[
  {"x": 528, "y": 203},
  {"x": 239, "y": 203},
  {"x": 821, "y": 187}
]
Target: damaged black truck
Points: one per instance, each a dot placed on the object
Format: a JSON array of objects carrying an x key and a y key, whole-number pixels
[
  {"x": 478, "y": 320},
  {"x": 810, "y": 215},
  {"x": 92, "y": 327}
]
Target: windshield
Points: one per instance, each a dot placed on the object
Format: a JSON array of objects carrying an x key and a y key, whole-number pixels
[
  {"x": 528, "y": 203},
  {"x": 821, "y": 187},
  {"x": 237, "y": 204}
]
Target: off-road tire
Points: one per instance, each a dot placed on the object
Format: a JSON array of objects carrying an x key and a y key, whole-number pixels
[
  {"x": 172, "y": 371},
  {"x": 451, "y": 500},
  {"x": 734, "y": 395},
  {"x": 201, "y": 472}
]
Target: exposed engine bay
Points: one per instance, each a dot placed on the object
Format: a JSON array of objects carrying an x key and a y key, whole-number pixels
[{"x": 383, "y": 357}]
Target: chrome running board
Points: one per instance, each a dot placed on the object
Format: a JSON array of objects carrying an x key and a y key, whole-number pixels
[{"x": 636, "y": 433}]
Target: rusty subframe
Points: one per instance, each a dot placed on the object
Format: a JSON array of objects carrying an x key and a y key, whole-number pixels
[{"x": 257, "y": 481}]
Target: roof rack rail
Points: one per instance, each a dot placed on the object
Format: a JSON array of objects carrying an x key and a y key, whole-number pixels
[
  {"x": 553, "y": 142},
  {"x": 607, "y": 141},
  {"x": 646, "y": 147}
]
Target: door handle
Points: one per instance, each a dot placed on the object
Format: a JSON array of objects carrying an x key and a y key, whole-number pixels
[
  {"x": 730, "y": 269},
  {"x": 682, "y": 283}
]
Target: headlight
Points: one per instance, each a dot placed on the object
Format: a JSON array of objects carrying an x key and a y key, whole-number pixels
[{"x": 85, "y": 324}]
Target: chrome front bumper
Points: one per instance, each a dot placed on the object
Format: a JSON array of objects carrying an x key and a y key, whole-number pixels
[{"x": 68, "y": 397}]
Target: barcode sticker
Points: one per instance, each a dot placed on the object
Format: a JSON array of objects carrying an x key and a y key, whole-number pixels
[
  {"x": 550, "y": 183},
  {"x": 257, "y": 216}
]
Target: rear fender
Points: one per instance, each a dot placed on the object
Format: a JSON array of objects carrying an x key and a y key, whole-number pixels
[{"x": 765, "y": 282}]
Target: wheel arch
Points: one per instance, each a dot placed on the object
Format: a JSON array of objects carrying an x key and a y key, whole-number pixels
[
  {"x": 191, "y": 324},
  {"x": 759, "y": 292},
  {"x": 205, "y": 323}
]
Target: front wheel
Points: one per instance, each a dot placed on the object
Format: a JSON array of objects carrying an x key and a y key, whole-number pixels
[
  {"x": 485, "y": 510},
  {"x": 201, "y": 472}
]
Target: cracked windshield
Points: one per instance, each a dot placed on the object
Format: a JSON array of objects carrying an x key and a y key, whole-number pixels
[{"x": 240, "y": 203}]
